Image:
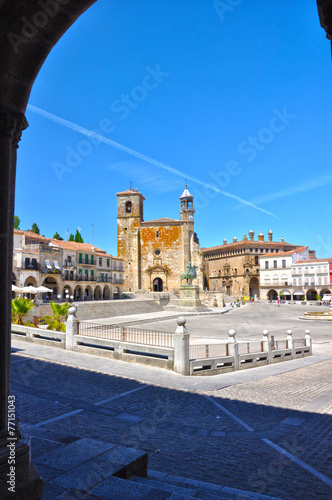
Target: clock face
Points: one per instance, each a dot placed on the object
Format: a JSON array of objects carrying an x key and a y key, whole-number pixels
[{"x": 191, "y": 217}]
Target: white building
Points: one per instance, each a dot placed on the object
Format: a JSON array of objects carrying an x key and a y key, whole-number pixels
[
  {"x": 65, "y": 267},
  {"x": 313, "y": 277},
  {"x": 276, "y": 272}
]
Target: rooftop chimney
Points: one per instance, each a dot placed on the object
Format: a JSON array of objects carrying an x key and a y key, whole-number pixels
[
  {"x": 225, "y": 242},
  {"x": 245, "y": 237},
  {"x": 261, "y": 236},
  {"x": 251, "y": 235},
  {"x": 270, "y": 235},
  {"x": 234, "y": 239},
  {"x": 282, "y": 240}
]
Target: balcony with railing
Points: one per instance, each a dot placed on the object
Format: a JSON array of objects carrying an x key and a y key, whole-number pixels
[
  {"x": 31, "y": 266},
  {"x": 78, "y": 277},
  {"x": 117, "y": 281},
  {"x": 117, "y": 268},
  {"x": 69, "y": 263},
  {"x": 104, "y": 279}
]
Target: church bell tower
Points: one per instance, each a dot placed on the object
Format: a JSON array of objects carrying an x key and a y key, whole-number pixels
[
  {"x": 130, "y": 216},
  {"x": 187, "y": 217}
]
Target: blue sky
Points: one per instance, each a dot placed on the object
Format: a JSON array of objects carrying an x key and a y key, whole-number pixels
[{"x": 237, "y": 100}]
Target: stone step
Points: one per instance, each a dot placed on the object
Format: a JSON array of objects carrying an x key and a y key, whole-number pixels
[{"x": 185, "y": 488}]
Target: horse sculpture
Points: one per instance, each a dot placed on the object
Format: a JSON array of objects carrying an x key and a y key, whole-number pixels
[{"x": 190, "y": 275}]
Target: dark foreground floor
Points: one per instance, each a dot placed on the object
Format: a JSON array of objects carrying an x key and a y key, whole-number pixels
[{"x": 271, "y": 436}]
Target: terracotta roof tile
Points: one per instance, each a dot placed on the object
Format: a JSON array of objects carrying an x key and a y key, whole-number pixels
[
  {"x": 289, "y": 252},
  {"x": 32, "y": 235},
  {"x": 72, "y": 245},
  {"x": 313, "y": 261},
  {"x": 130, "y": 192},
  {"x": 249, "y": 243}
]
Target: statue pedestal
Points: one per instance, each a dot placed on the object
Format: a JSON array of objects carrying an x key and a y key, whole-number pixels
[{"x": 189, "y": 296}]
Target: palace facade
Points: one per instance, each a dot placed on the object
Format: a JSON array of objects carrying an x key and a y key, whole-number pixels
[{"x": 234, "y": 268}]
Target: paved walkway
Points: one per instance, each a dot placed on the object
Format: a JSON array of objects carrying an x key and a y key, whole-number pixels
[{"x": 265, "y": 430}]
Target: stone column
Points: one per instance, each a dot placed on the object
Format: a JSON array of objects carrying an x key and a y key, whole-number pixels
[
  {"x": 71, "y": 327},
  {"x": 181, "y": 347},
  {"x": 290, "y": 341},
  {"x": 266, "y": 345},
  {"x": 25, "y": 479},
  {"x": 308, "y": 340},
  {"x": 10, "y": 133},
  {"x": 233, "y": 348}
]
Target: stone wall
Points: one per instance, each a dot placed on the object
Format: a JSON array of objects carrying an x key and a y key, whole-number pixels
[{"x": 103, "y": 308}]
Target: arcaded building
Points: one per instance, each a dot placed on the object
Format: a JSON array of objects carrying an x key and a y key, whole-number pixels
[
  {"x": 156, "y": 252},
  {"x": 234, "y": 268}
]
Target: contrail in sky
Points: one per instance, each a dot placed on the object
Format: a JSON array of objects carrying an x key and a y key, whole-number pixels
[
  {"x": 321, "y": 181},
  {"x": 132, "y": 152}
]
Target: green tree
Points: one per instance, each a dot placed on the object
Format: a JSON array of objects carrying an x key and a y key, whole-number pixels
[
  {"x": 78, "y": 237},
  {"x": 71, "y": 237},
  {"x": 35, "y": 228},
  {"x": 17, "y": 221},
  {"x": 21, "y": 307},
  {"x": 57, "y": 237},
  {"x": 56, "y": 321}
]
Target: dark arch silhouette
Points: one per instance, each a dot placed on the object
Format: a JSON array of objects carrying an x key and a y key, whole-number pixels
[{"x": 29, "y": 29}]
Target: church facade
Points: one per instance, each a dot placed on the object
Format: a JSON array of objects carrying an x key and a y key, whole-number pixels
[{"x": 156, "y": 252}]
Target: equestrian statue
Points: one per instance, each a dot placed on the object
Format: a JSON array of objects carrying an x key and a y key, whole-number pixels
[{"x": 190, "y": 275}]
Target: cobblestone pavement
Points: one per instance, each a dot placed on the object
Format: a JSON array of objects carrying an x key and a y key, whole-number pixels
[{"x": 270, "y": 436}]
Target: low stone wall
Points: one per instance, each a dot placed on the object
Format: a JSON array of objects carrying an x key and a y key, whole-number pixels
[
  {"x": 103, "y": 308},
  {"x": 205, "y": 359},
  {"x": 212, "y": 299}
]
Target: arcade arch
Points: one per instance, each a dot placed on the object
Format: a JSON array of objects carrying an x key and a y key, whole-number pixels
[
  {"x": 30, "y": 281},
  {"x": 97, "y": 293},
  {"x": 254, "y": 288},
  {"x": 88, "y": 293},
  {"x": 312, "y": 294},
  {"x": 272, "y": 294},
  {"x": 78, "y": 294}
]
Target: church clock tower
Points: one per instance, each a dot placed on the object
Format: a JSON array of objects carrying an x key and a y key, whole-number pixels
[{"x": 130, "y": 216}]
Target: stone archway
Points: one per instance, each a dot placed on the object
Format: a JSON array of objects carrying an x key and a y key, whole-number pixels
[
  {"x": 97, "y": 295},
  {"x": 312, "y": 294},
  {"x": 51, "y": 283},
  {"x": 30, "y": 281},
  {"x": 88, "y": 294},
  {"x": 158, "y": 285},
  {"x": 106, "y": 293},
  {"x": 22, "y": 54},
  {"x": 254, "y": 288},
  {"x": 324, "y": 291},
  {"x": 272, "y": 294},
  {"x": 78, "y": 293},
  {"x": 298, "y": 295}
]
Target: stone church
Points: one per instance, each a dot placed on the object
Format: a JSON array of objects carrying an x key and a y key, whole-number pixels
[{"x": 156, "y": 252}]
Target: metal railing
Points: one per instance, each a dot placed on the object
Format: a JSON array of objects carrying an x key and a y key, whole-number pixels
[
  {"x": 78, "y": 277},
  {"x": 205, "y": 351},
  {"x": 126, "y": 334},
  {"x": 32, "y": 267},
  {"x": 299, "y": 342},
  {"x": 278, "y": 345},
  {"x": 250, "y": 347},
  {"x": 69, "y": 263}
]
